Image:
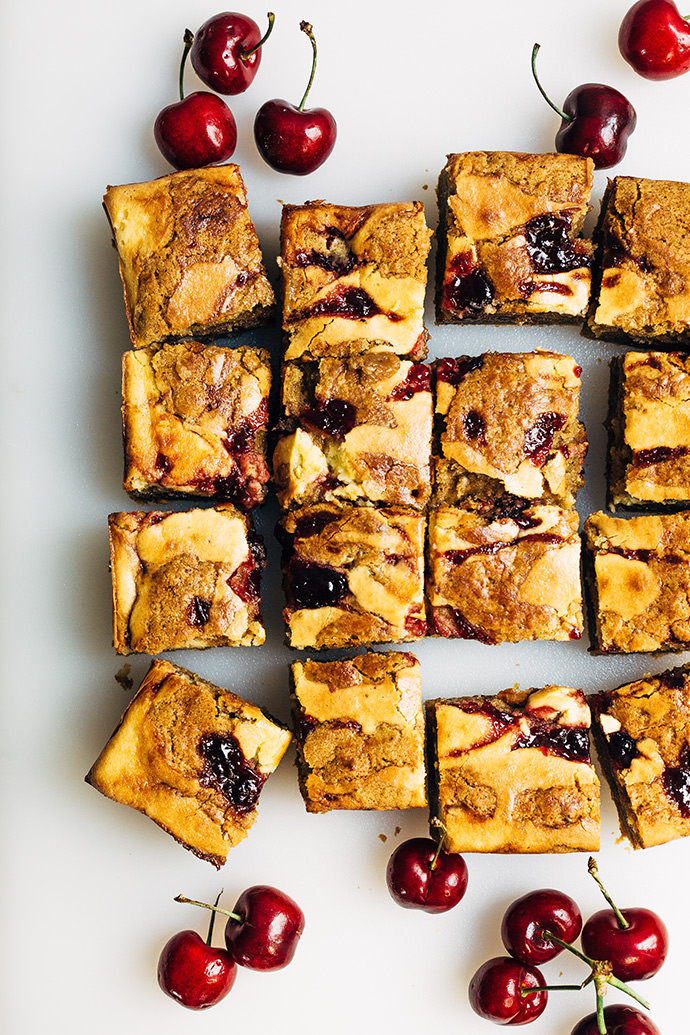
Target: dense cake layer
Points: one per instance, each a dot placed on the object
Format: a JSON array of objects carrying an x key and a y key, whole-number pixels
[
  {"x": 643, "y": 739},
  {"x": 509, "y": 248},
  {"x": 192, "y": 757},
  {"x": 189, "y": 256},
  {"x": 513, "y": 773},
  {"x": 355, "y": 428},
  {"x": 649, "y": 431},
  {"x": 642, "y": 288},
  {"x": 359, "y": 730},
  {"x": 353, "y": 279},
  {"x": 353, "y": 575},
  {"x": 185, "y": 580},
  {"x": 194, "y": 421},
  {"x": 638, "y": 574},
  {"x": 507, "y": 423},
  {"x": 510, "y": 574}
]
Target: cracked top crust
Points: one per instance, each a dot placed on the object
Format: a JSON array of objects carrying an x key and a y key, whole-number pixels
[
  {"x": 189, "y": 256},
  {"x": 353, "y": 279},
  {"x": 353, "y": 575},
  {"x": 360, "y": 732},
  {"x": 504, "y": 576},
  {"x": 643, "y": 737},
  {"x": 355, "y": 428},
  {"x": 643, "y": 242},
  {"x": 509, "y": 423},
  {"x": 509, "y": 244},
  {"x": 185, "y": 580},
  {"x": 513, "y": 773},
  {"x": 194, "y": 422},
  {"x": 639, "y": 575},
  {"x": 193, "y": 757}
]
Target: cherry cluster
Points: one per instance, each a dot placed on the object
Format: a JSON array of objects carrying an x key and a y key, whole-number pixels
[
  {"x": 617, "y": 945},
  {"x": 596, "y": 120},
  {"x": 261, "y": 933},
  {"x": 200, "y": 129}
]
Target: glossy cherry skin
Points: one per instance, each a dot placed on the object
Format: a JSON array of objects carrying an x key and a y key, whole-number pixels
[
  {"x": 199, "y": 130},
  {"x": 495, "y": 992},
  {"x": 527, "y": 917},
  {"x": 217, "y": 52},
  {"x": 416, "y": 882},
  {"x": 294, "y": 141},
  {"x": 601, "y": 120},
  {"x": 266, "y": 936},
  {"x": 620, "y": 1020},
  {"x": 655, "y": 39},
  {"x": 635, "y": 952},
  {"x": 194, "y": 973}
]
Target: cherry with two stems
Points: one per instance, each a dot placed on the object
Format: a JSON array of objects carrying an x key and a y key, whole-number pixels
[
  {"x": 596, "y": 121},
  {"x": 192, "y": 972},
  {"x": 507, "y": 991},
  {"x": 226, "y": 52},
  {"x": 526, "y": 920},
  {"x": 634, "y": 941},
  {"x": 420, "y": 875},
  {"x": 619, "y": 1020},
  {"x": 654, "y": 38},
  {"x": 198, "y": 129},
  {"x": 295, "y": 139}
]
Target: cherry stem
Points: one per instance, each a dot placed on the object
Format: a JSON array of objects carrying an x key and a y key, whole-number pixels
[
  {"x": 306, "y": 27},
  {"x": 525, "y": 990},
  {"x": 204, "y": 905},
  {"x": 209, "y": 936},
  {"x": 188, "y": 40},
  {"x": 559, "y": 111},
  {"x": 594, "y": 871},
  {"x": 439, "y": 847},
  {"x": 248, "y": 53},
  {"x": 602, "y": 973}
]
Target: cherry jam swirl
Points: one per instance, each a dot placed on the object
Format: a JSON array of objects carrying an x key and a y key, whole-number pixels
[
  {"x": 227, "y": 771},
  {"x": 467, "y": 289}
]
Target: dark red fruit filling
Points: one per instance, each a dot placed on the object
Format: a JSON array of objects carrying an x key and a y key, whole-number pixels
[
  {"x": 514, "y": 508},
  {"x": 449, "y": 621},
  {"x": 467, "y": 289},
  {"x": 418, "y": 380},
  {"x": 452, "y": 371},
  {"x": 550, "y": 247},
  {"x": 539, "y": 438},
  {"x": 569, "y": 742},
  {"x": 335, "y": 417},
  {"x": 474, "y": 425},
  {"x": 339, "y": 260},
  {"x": 199, "y": 611},
  {"x": 313, "y": 524},
  {"x": 676, "y": 780},
  {"x": 673, "y": 680},
  {"x": 658, "y": 455},
  {"x": 622, "y": 749},
  {"x": 227, "y": 770},
  {"x": 315, "y": 585},
  {"x": 350, "y": 303},
  {"x": 162, "y": 463}
]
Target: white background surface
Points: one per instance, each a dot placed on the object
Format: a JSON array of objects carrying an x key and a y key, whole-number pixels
[{"x": 88, "y": 885}]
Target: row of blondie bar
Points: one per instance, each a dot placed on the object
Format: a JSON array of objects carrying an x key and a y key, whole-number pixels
[{"x": 508, "y": 773}]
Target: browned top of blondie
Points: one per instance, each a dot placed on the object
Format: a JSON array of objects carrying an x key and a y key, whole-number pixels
[
  {"x": 193, "y": 757},
  {"x": 189, "y": 255}
]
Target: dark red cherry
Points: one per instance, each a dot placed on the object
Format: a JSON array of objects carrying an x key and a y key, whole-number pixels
[
  {"x": 294, "y": 139},
  {"x": 264, "y": 930},
  {"x": 526, "y": 919},
  {"x": 226, "y": 52},
  {"x": 197, "y": 130},
  {"x": 636, "y": 951},
  {"x": 655, "y": 39},
  {"x": 497, "y": 991},
  {"x": 193, "y": 973},
  {"x": 421, "y": 876},
  {"x": 596, "y": 121},
  {"x": 620, "y": 1020}
]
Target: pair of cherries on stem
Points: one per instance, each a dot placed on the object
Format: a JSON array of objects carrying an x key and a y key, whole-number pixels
[
  {"x": 200, "y": 129},
  {"x": 261, "y": 933},
  {"x": 618, "y": 946},
  {"x": 420, "y": 875}
]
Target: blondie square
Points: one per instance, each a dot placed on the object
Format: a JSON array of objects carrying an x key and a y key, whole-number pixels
[
  {"x": 194, "y": 421},
  {"x": 509, "y": 573},
  {"x": 185, "y": 580},
  {"x": 649, "y": 431},
  {"x": 509, "y": 238},
  {"x": 359, "y": 730},
  {"x": 513, "y": 773},
  {"x": 641, "y": 291},
  {"x": 355, "y": 428},
  {"x": 638, "y": 577},
  {"x": 353, "y": 279},
  {"x": 353, "y": 575},
  {"x": 193, "y": 757},
  {"x": 642, "y": 733},
  {"x": 508, "y": 423},
  {"x": 189, "y": 256}
]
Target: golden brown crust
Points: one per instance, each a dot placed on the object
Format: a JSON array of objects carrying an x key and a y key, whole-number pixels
[
  {"x": 189, "y": 256},
  {"x": 360, "y": 732},
  {"x": 191, "y": 756}
]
